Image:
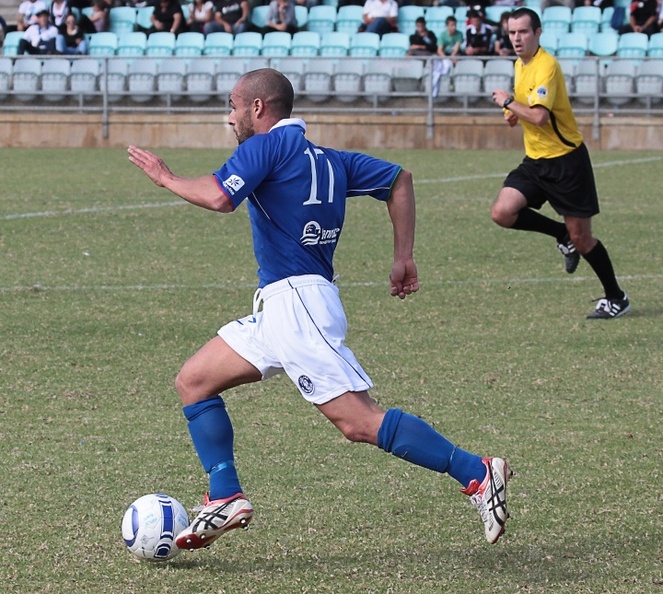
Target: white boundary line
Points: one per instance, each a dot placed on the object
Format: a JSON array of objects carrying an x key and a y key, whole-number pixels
[
  {"x": 220, "y": 286},
  {"x": 99, "y": 209}
]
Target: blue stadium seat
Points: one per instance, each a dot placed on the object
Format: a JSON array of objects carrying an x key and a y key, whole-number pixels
[
  {"x": 334, "y": 44},
  {"x": 276, "y": 43},
  {"x": 143, "y": 15},
  {"x": 633, "y": 45},
  {"x": 364, "y": 45},
  {"x": 498, "y": 74},
  {"x": 10, "y": 44},
  {"x": 248, "y": 43},
  {"x": 122, "y": 19},
  {"x": 394, "y": 45},
  {"x": 347, "y": 80},
  {"x": 170, "y": 79},
  {"x": 305, "y": 43},
  {"x": 467, "y": 79},
  {"x": 116, "y": 77},
  {"x": 25, "y": 78},
  {"x": 321, "y": 18},
  {"x": 377, "y": 80},
  {"x": 603, "y": 44},
  {"x": 572, "y": 45},
  {"x": 436, "y": 18},
  {"x": 55, "y": 78},
  {"x": 619, "y": 81},
  {"x": 83, "y": 77},
  {"x": 189, "y": 44},
  {"x": 301, "y": 16},
  {"x": 407, "y": 15},
  {"x": 349, "y": 18},
  {"x": 258, "y": 16},
  {"x": 131, "y": 44},
  {"x": 141, "y": 79},
  {"x": 655, "y": 47},
  {"x": 557, "y": 19},
  {"x": 586, "y": 80},
  {"x": 586, "y": 19},
  {"x": 649, "y": 82},
  {"x": 102, "y": 44},
  {"x": 218, "y": 44},
  {"x": 161, "y": 43},
  {"x": 318, "y": 79},
  {"x": 549, "y": 41},
  {"x": 200, "y": 79}
]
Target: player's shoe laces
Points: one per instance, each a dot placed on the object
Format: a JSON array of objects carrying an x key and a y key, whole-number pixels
[
  {"x": 570, "y": 253},
  {"x": 214, "y": 519},
  {"x": 489, "y": 497},
  {"x": 608, "y": 309}
]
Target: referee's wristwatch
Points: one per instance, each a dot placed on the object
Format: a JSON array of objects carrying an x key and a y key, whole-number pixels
[{"x": 508, "y": 101}]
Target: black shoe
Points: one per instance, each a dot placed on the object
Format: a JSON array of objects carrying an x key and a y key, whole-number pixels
[
  {"x": 571, "y": 255},
  {"x": 607, "y": 309}
]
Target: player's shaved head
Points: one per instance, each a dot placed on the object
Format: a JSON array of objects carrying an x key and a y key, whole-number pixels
[{"x": 272, "y": 87}]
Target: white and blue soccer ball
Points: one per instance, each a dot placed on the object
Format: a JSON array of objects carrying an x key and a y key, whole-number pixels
[{"x": 150, "y": 526}]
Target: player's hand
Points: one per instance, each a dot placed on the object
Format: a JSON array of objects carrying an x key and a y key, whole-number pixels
[
  {"x": 153, "y": 166},
  {"x": 403, "y": 278}
]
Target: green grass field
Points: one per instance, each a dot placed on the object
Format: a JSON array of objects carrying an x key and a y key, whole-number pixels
[{"x": 108, "y": 284}]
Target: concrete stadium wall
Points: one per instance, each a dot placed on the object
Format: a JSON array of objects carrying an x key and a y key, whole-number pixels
[{"x": 348, "y": 131}]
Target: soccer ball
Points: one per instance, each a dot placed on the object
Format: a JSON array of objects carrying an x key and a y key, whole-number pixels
[{"x": 151, "y": 524}]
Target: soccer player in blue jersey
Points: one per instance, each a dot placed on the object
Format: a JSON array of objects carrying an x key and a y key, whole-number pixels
[{"x": 296, "y": 194}]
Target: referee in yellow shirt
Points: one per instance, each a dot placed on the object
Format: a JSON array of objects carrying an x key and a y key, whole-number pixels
[{"x": 556, "y": 167}]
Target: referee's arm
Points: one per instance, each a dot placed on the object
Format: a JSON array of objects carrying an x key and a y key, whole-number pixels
[{"x": 537, "y": 115}]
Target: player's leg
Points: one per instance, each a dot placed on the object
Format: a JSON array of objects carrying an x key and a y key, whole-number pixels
[
  {"x": 212, "y": 370},
  {"x": 410, "y": 438},
  {"x": 616, "y": 302}
]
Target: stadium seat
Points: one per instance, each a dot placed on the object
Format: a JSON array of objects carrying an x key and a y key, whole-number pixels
[
  {"x": 200, "y": 79},
  {"x": 10, "y": 44},
  {"x": 467, "y": 78},
  {"x": 141, "y": 79},
  {"x": 533, "y": 4},
  {"x": 498, "y": 74},
  {"x": 460, "y": 13},
  {"x": 170, "y": 79},
  {"x": 586, "y": 19},
  {"x": 603, "y": 44},
  {"x": 333, "y": 3},
  {"x": 121, "y": 19},
  {"x": 218, "y": 44},
  {"x": 649, "y": 82},
  {"x": 227, "y": 74},
  {"x": 568, "y": 66},
  {"x": 159, "y": 44},
  {"x": 116, "y": 76},
  {"x": 493, "y": 13},
  {"x": 334, "y": 44},
  {"x": 557, "y": 19},
  {"x": 305, "y": 44},
  {"x": 586, "y": 81},
  {"x": 394, "y": 45},
  {"x": 377, "y": 80},
  {"x": 131, "y": 44},
  {"x": 364, "y": 45},
  {"x": 572, "y": 45},
  {"x": 189, "y": 44},
  {"x": 102, "y": 44},
  {"x": 55, "y": 78},
  {"x": 549, "y": 41},
  {"x": 606, "y": 19},
  {"x": 349, "y": 18},
  {"x": 436, "y": 18},
  {"x": 318, "y": 79},
  {"x": 83, "y": 78},
  {"x": 632, "y": 45},
  {"x": 408, "y": 75},
  {"x": 292, "y": 68},
  {"x": 321, "y": 18},
  {"x": 258, "y": 16},
  {"x": 255, "y": 63},
  {"x": 6, "y": 68},
  {"x": 301, "y": 16},
  {"x": 248, "y": 43},
  {"x": 407, "y": 15},
  {"x": 348, "y": 80},
  {"x": 276, "y": 43},
  {"x": 143, "y": 16},
  {"x": 25, "y": 78},
  {"x": 619, "y": 81},
  {"x": 655, "y": 47}
]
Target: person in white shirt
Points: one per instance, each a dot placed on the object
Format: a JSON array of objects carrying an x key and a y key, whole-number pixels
[
  {"x": 27, "y": 13},
  {"x": 39, "y": 38},
  {"x": 380, "y": 16}
]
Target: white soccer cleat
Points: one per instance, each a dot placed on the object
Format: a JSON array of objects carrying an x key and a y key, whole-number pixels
[
  {"x": 215, "y": 518},
  {"x": 489, "y": 497}
]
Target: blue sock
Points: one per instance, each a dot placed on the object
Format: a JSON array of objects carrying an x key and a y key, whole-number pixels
[
  {"x": 212, "y": 434},
  {"x": 412, "y": 439}
]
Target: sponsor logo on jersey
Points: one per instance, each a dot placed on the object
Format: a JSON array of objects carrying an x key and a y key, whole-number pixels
[
  {"x": 305, "y": 384},
  {"x": 314, "y": 234},
  {"x": 542, "y": 92},
  {"x": 233, "y": 184}
]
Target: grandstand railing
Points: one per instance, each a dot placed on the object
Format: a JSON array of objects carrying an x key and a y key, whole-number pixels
[{"x": 384, "y": 95}]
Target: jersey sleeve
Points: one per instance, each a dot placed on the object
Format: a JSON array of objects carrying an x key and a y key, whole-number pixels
[
  {"x": 245, "y": 169},
  {"x": 369, "y": 176},
  {"x": 544, "y": 90}
]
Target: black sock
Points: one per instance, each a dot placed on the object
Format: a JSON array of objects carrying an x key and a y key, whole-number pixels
[
  {"x": 530, "y": 220},
  {"x": 600, "y": 262}
]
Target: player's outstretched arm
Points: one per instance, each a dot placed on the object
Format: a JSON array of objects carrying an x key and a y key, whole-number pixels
[
  {"x": 403, "y": 279},
  {"x": 201, "y": 191}
]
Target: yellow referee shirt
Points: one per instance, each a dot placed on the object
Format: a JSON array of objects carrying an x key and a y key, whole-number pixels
[{"x": 541, "y": 82}]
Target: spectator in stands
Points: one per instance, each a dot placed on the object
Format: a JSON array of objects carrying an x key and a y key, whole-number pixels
[
  {"x": 422, "y": 42},
  {"x": 503, "y": 45},
  {"x": 71, "y": 38},
  {"x": 27, "y": 13},
  {"x": 281, "y": 17},
  {"x": 40, "y": 37},
  {"x": 660, "y": 18},
  {"x": 451, "y": 40},
  {"x": 231, "y": 16},
  {"x": 168, "y": 16},
  {"x": 59, "y": 11},
  {"x": 201, "y": 12},
  {"x": 643, "y": 18},
  {"x": 307, "y": 3},
  {"x": 478, "y": 36},
  {"x": 99, "y": 15},
  {"x": 380, "y": 16}
]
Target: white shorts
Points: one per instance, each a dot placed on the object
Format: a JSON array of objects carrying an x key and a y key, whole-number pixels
[{"x": 300, "y": 330}]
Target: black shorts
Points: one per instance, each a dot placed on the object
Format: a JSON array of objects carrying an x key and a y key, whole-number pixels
[{"x": 566, "y": 182}]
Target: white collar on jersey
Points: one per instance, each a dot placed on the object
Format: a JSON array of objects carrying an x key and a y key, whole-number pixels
[{"x": 289, "y": 122}]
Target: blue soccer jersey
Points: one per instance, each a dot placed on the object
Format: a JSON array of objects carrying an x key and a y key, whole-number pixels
[{"x": 296, "y": 197}]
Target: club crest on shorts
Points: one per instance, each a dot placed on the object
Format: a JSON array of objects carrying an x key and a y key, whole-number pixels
[{"x": 305, "y": 384}]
